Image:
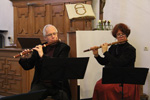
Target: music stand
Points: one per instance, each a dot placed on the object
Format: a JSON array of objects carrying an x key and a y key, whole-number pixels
[
  {"x": 63, "y": 68},
  {"x": 124, "y": 75},
  {"x": 35, "y": 95},
  {"x": 28, "y": 43}
]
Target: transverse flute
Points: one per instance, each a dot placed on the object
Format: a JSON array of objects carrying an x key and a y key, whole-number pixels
[
  {"x": 108, "y": 45},
  {"x": 44, "y": 45}
]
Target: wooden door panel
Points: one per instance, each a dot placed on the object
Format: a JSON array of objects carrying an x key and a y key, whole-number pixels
[
  {"x": 39, "y": 20},
  {"x": 57, "y": 17},
  {"x": 11, "y": 76},
  {"x": 23, "y": 19}
]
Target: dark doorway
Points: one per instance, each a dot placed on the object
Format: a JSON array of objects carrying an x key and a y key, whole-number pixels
[{"x": 1, "y": 41}]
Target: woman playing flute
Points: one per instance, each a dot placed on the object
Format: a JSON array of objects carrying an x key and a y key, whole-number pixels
[{"x": 120, "y": 55}]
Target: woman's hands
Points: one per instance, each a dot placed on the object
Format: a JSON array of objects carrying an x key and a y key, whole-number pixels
[
  {"x": 95, "y": 49},
  {"x": 104, "y": 47}
]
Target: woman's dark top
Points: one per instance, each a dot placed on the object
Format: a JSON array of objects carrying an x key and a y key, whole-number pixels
[{"x": 120, "y": 55}]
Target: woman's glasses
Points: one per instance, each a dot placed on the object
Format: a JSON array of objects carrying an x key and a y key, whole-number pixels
[{"x": 120, "y": 35}]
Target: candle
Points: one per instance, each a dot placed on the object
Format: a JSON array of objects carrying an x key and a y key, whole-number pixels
[
  {"x": 104, "y": 21},
  {"x": 100, "y": 22},
  {"x": 108, "y": 22}
]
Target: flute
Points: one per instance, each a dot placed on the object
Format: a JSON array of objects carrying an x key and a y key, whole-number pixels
[
  {"x": 108, "y": 45},
  {"x": 31, "y": 50}
]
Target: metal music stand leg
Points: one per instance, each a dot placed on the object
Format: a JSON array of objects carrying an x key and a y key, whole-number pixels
[{"x": 122, "y": 91}]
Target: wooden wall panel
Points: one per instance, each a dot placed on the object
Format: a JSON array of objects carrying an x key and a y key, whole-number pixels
[
  {"x": 23, "y": 18},
  {"x": 13, "y": 79},
  {"x": 33, "y": 15},
  {"x": 58, "y": 19},
  {"x": 30, "y": 16},
  {"x": 39, "y": 20},
  {"x": 11, "y": 75}
]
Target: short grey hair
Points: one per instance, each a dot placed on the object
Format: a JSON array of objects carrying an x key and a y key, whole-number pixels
[{"x": 48, "y": 25}]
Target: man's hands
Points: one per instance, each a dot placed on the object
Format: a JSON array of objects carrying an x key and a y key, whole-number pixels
[
  {"x": 39, "y": 49},
  {"x": 26, "y": 53}
]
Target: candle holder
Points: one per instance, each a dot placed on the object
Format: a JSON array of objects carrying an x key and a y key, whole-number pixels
[{"x": 104, "y": 25}]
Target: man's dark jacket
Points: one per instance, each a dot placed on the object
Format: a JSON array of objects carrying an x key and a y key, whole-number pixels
[{"x": 61, "y": 51}]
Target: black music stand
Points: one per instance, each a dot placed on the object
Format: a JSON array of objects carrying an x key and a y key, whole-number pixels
[
  {"x": 28, "y": 43},
  {"x": 124, "y": 75},
  {"x": 63, "y": 68}
]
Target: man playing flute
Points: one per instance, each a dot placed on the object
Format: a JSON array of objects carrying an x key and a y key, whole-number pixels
[{"x": 54, "y": 87}]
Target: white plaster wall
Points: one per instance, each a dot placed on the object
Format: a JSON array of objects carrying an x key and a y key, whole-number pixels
[
  {"x": 6, "y": 19},
  {"x": 95, "y": 6},
  {"x": 136, "y": 14}
]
